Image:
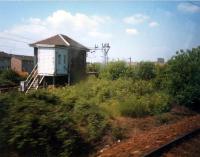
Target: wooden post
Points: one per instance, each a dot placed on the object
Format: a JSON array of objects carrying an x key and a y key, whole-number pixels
[
  {"x": 69, "y": 69},
  {"x": 129, "y": 61},
  {"x": 53, "y": 81}
]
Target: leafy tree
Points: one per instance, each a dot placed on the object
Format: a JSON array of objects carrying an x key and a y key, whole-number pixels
[
  {"x": 184, "y": 77},
  {"x": 161, "y": 80},
  {"x": 146, "y": 70},
  {"x": 41, "y": 124},
  {"x": 94, "y": 67},
  {"x": 114, "y": 70},
  {"x": 8, "y": 77},
  {"x": 44, "y": 129}
]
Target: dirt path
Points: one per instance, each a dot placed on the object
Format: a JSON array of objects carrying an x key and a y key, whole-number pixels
[{"x": 145, "y": 141}]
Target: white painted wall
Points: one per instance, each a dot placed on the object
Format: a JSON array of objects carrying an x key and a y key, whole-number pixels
[
  {"x": 46, "y": 61},
  {"x": 61, "y": 61}
]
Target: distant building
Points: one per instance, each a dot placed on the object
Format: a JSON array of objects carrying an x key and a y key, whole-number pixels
[
  {"x": 5, "y": 61},
  {"x": 134, "y": 63},
  {"x": 160, "y": 60},
  {"x": 20, "y": 63}
]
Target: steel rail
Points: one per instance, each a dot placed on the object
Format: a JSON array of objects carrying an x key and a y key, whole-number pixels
[{"x": 166, "y": 147}]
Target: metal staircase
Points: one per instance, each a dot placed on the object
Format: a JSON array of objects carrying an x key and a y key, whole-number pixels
[{"x": 33, "y": 81}]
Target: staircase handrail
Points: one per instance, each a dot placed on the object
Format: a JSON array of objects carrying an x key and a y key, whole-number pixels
[
  {"x": 31, "y": 84},
  {"x": 30, "y": 78},
  {"x": 32, "y": 72},
  {"x": 40, "y": 81}
]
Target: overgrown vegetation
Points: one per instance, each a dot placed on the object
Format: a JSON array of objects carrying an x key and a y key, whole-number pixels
[
  {"x": 9, "y": 77},
  {"x": 69, "y": 120},
  {"x": 184, "y": 77},
  {"x": 43, "y": 124}
]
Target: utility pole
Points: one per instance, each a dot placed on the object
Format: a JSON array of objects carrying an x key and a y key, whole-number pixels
[
  {"x": 105, "y": 47},
  {"x": 129, "y": 61}
]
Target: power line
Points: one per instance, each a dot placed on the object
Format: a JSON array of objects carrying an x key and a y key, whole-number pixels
[
  {"x": 13, "y": 48},
  {"x": 22, "y": 48},
  {"x": 18, "y": 36},
  {"x": 11, "y": 39}
]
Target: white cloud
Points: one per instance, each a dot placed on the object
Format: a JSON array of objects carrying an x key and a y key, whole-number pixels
[
  {"x": 79, "y": 26},
  {"x": 100, "y": 35},
  {"x": 63, "y": 22},
  {"x": 188, "y": 7},
  {"x": 132, "y": 31},
  {"x": 136, "y": 19},
  {"x": 153, "y": 24}
]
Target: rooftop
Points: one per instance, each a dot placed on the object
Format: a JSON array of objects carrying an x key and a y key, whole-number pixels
[
  {"x": 3, "y": 54},
  {"x": 60, "y": 40},
  {"x": 23, "y": 57}
]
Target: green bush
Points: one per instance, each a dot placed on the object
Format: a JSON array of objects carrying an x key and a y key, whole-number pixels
[
  {"x": 118, "y": 133},
  {"x": 184, "y": 73},
  {"x": 142, "y": 87},
  {"x": 161, "y": 80},
  {"x": 139, "y": 96},
  {"x": 150, "y": 104},
  {"x": 36, "y": 126},
  {"x": 94, "y": 67},
  {"x": 114, "y": 70},
  {"x": 163, "y": 119},
  {"x": 120, "y": 69},
  {"x": 146, "y": 70},
  {"x": 9, "y": 77},
  {"x": 44, "y": 96},
  {"x": 41, "y": 123},
  {"x": 159, "y": 102},
  {"x": 91, "y": 120},
  {"x": 134, "y": 107}
]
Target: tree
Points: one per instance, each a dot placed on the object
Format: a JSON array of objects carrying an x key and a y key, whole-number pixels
[
  {"x": 114, "y": 70},
  {"x": 184, "y": 77},
  {"x": 146, "y": 70}
]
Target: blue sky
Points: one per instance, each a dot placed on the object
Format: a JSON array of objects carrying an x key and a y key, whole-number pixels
[{"x": 140, "y": 30}]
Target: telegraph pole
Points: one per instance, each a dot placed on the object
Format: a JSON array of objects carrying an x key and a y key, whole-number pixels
[
  {"x": 105, "y": 47},
  {"x": 129, "y": 60}
]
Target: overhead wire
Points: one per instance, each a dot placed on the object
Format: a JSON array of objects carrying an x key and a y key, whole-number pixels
[
  {"x": 11, "y": 39},
  {"x": 16, "y": 35}
]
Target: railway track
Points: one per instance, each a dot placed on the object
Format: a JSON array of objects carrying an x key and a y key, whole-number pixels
[
  {"x": 158, "y": 152},
  {"x": 7, "y": 88},
  {"x": 157, "y": 141}
]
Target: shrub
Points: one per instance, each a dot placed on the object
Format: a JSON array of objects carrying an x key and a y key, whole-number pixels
[
  {"x": 150, "y": 104},
  {"x": 91, "y": 120},
  {"x": 146, "y": 70},
  {"x": 159, "y": 102},
  {"x": 142, "y": 87},
  {"x": 184, "y": 73},
  {"x": 114, "y": 70},
  {"x": 94, "y": 67},
  {"x": 36, "y": 126},
  {"x": 118, "y": 132},
  {"x": 163, "y": 119},
  {"x": 42, "y": 122},
  {"x": 134, "y": 107},
  {"x": 44, "y": 96},
  {"x": 9, "y": 77},
  {"x": 161, "y": 80}
]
